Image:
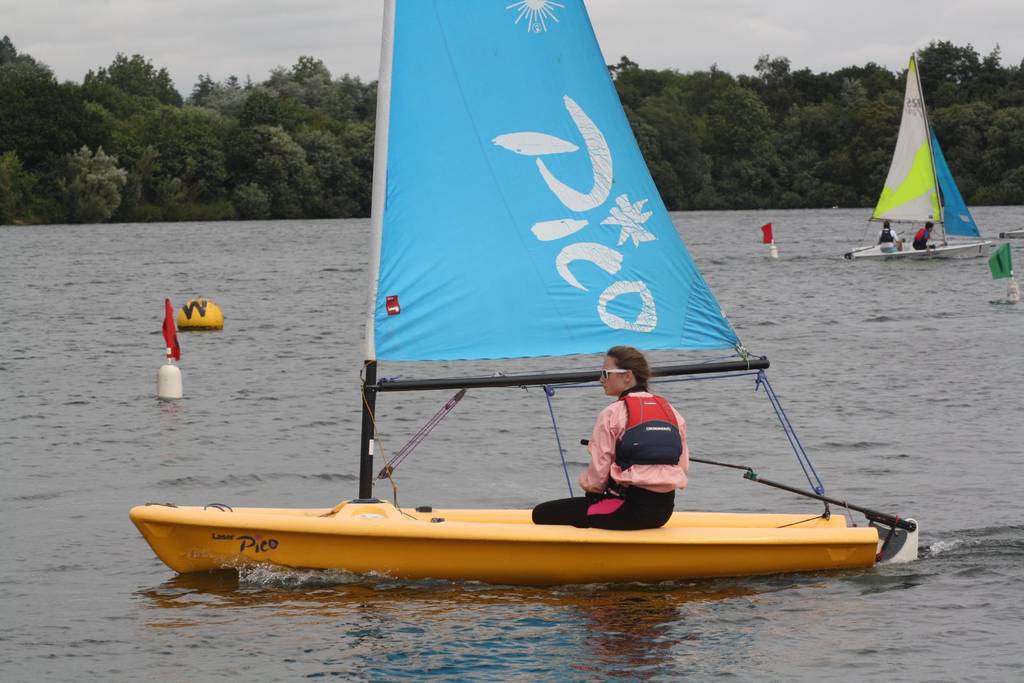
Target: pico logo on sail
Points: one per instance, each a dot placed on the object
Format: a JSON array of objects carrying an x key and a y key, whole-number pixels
[{"x": 628, "y": 215}]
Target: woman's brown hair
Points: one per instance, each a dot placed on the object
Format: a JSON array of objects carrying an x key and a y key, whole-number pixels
[{"x": 629, "y": 358}]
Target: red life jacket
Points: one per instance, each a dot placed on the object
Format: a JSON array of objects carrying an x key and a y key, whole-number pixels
[{"x": 652, "y": 433}]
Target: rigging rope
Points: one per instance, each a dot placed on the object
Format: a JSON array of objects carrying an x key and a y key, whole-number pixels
[
  {"x": 801, "y": 455},
  {"x": 549, "y": 391},
  {"x": 824, "y": 515}
]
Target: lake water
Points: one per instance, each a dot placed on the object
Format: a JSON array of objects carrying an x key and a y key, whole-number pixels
[{"x": 903, "y": 381}]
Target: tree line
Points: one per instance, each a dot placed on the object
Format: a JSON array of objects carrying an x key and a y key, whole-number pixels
[{"x": 125, "y": 146}]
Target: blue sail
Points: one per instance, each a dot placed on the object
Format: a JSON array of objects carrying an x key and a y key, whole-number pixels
[
  {"x": 518, "y": 217},
  {"x": 957, "y": 218}
]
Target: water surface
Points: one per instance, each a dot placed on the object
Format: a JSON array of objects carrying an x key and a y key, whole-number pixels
[{"x": 902, "y": 379}]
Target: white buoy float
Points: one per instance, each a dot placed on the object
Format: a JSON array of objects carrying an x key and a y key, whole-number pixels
[
  {"x": 168, "y": 381},
  {"x": 168, "y": 378},
  {"x": 1013, "y": 292}
]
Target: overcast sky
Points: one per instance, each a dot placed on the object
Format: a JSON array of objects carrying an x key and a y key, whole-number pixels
[{"x": 250, "y": 37}]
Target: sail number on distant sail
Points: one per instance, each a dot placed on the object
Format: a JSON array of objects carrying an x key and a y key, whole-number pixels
[{"x": 628, "y": 215}]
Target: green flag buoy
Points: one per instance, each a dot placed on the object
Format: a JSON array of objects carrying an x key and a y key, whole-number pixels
[
  {"x": 1001, "y": 262},
  {"x": 1001, "y": 265}
]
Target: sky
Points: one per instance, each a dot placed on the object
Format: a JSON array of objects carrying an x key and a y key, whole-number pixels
[{"x": 251, "y": 37}]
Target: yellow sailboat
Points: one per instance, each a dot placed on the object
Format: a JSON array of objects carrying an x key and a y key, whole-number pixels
[
  {"x": 514, "y": 216},
  {"x": 499, "y": 546}
]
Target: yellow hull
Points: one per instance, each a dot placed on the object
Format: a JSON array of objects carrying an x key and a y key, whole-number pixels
[{"x": 499, "y": 546}]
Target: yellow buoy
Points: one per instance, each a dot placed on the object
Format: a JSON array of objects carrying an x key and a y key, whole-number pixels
[{"x": 200, "y": 314}]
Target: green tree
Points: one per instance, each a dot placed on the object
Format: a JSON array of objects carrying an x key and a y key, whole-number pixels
[
  {"x": 335, "y": 173},
  {"x": 265, "y": 107},
  {"x": 39, "y": 119},
  {"x": 745, "y": 166},
  {"x": 7, "y": 51},
  {"x": 948, "y": 72},
  {"x": 1003, "y": 157},
  {"x": 773, "y": 85},
  {"x": 308, "y": 69},
  {"x": 669, "y": 135},
  {"x": 138, "y": 186},
  {"x": 962, "y": 130},
  {"x": 10, "y": 55},
  {"x": 202, "y": 90},
  {"x": 93, "y": 186},
  {"x": 226, "y": 98},
  {"x": 251, "y": 202},
  {"x": 270, "y": 158},
  {"x": 357, "y": 139},
  {"x": 136, "y": 76},
  {"x": 300, "y": 143},
  {"x": 15, "y": 187},
  {"x": 189, "y": 142}
]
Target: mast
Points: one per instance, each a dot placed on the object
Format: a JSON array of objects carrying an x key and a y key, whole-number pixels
[
  {"x": 931, "y": 151},
  {"x": 368, "y": 390}
]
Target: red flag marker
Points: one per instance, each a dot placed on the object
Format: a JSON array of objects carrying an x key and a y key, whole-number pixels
[
  {"x": 766, "y": 231},
  {"x": 171, "y": 332}
]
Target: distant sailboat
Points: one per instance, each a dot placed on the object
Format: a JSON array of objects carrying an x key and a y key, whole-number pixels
[
  {"x": 514, "y": 217},
  {"x": 920, "y": 189}
]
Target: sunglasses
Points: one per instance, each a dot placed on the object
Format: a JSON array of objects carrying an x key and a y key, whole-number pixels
[{"x": 614, "y": 371}]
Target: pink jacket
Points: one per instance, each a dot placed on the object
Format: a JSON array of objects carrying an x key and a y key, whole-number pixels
[{"x": 608, "y": 429}]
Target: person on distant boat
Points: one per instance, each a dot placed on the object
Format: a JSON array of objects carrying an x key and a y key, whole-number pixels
[
  {"x": 638, "y": 455},
  {"x": 888, "y": 240},
  {"x": 922, "y": 236}
]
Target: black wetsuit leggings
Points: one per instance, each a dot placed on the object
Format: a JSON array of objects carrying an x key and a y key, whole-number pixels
[{"x": 637, "y": 509}]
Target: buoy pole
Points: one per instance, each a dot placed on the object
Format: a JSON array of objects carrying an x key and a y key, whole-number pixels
[{"x": 168, "y": 377}]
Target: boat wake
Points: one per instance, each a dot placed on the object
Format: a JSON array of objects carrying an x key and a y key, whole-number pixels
[
  {"x": 274, "y": 579},
  {"x": 269, "y": 576},
  {"x": 1005, "y": 542}
]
